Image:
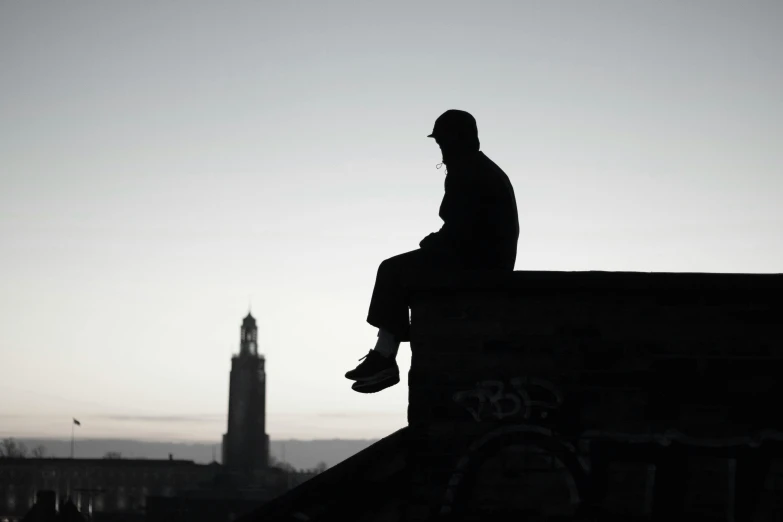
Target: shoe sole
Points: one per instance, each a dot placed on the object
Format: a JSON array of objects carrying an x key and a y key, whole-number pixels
[
  {"x": 376, "y": 386},
  {"x": 383, "y": 374}
]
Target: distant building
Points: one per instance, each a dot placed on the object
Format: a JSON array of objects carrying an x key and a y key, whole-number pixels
[
  {"x": 246, "y": 444},
  {"x": 167, "y": 490},
  {"x": 99, "y": 488},
  {"x": 245, "y": 481},
  {"x": 136, "y": 490},
  {"x": 46, "y": 509}
]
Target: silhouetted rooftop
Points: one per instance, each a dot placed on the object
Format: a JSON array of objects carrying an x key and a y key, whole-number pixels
[
  {"x": 577, "y": 395},
  {"x": 596, "y": 280}
]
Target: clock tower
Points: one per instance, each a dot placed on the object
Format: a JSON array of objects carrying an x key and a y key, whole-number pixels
[{"x": 246, "y": 444}]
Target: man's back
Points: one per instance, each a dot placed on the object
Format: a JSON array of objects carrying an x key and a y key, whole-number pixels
[{"x": 479, "y": 212}]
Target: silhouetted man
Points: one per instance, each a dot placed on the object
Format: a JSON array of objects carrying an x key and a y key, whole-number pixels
[{"x": 480, "y": 232}]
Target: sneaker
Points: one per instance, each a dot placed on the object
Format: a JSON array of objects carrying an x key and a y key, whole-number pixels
[
  {"x": 375, "y": 367},
  {"x": 376, "y": 385}
]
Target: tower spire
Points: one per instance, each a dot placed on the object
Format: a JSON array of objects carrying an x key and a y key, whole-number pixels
[{"x": 248, "y": 344}]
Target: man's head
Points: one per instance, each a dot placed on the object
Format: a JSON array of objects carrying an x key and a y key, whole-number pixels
[{"x": 456, "y": 133}]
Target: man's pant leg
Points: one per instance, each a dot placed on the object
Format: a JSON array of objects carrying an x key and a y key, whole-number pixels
[{"x": 391, "y": 294}]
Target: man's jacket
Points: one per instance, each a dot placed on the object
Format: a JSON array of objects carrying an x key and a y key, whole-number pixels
[{"x": 479, "y": 213}]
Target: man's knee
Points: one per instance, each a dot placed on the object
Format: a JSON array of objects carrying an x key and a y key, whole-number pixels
[
  {"x": 412, "y": 264},
  {"x": 387, "y": 269},
  {"x": 403, "y": 263}
]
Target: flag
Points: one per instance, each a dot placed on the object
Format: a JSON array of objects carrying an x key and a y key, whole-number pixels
[{"x": 77, "y": 422}]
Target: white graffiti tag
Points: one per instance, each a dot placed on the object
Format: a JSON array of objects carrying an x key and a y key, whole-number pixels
[{"x": 528, "y": 398}]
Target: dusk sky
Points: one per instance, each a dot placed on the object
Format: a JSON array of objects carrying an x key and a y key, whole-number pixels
[{"x": 164, "y": 164}]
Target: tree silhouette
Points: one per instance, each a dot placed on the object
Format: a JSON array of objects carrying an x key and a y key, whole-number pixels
[
  {"x": 39, "y": 452},
  {"x": 10, "y": 448}
]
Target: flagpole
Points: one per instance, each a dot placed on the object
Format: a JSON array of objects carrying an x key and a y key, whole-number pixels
[{"x": 72, "y": 428}]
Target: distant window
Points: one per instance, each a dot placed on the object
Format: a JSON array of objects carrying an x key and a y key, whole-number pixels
[{"x": 121, "y": 503}]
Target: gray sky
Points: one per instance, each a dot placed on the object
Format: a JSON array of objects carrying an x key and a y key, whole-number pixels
[{"x": 163, "y": 162}]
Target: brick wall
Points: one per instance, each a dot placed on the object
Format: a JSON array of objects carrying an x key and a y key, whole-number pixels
[{"x": 650, "y": 393}]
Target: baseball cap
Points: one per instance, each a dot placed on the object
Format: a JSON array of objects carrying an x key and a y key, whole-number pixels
[{"x": 455, "y": 122}]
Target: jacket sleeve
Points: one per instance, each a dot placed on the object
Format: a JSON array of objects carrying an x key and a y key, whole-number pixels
[{"x": 460, "y": 212}]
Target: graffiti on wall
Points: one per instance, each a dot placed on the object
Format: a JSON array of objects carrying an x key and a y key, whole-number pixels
[
  {"x": 528, "y": 401},
  {"x": 526, "y": 398},
  {"x": 571, "y": 471}
]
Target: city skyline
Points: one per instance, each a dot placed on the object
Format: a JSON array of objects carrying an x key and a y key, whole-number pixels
[{"x": 164, "y": 165}]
